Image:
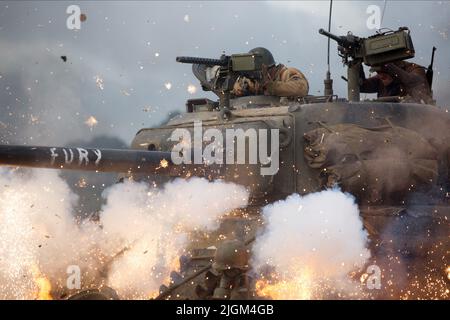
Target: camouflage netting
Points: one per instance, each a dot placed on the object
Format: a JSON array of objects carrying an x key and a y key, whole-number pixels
[{"x": 374, "y": 164}]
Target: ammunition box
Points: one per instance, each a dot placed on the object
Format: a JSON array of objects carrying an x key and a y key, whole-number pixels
[
  {"x": 385, "y": 48},
  {"x": 246, "y": 62}
]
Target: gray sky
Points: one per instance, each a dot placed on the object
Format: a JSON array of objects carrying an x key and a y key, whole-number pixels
[{"x": 132, "y": 47}]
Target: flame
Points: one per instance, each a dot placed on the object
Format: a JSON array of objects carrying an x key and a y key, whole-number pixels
[
  {"x": 164, "y": 163},
  {"x": 44, "y": 286},
  {"x": 82, "y": 183},
  {"x": 191, "y": 89},
  {"x": 174, "y": 265},
  {"x": 363, "y": 277},
  {"x": 91, "y": 122},
  {"x": 448, "y": 272},
  {"x": 299, "y": 286}
]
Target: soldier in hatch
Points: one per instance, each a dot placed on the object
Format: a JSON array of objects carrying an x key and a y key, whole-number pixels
[
  {"x": 273, "y": 80},
  {"x": 404, "y": 79},
  {"x": 231, "y": 263}
]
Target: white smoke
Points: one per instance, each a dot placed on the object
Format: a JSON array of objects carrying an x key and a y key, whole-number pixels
[
  {"x": 38, "y": 233},
  {"x": 317, "y": 239},
  {"x": 312, "y": 242},
  {"x": 40, "y": 237},
  {"x": 156, "y": 223}
]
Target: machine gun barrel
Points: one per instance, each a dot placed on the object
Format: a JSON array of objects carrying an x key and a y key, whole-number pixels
[
  {"x": 206, "y": 61},
  {"x": 336, "y": 38},
  {"x": 103, "y": 160},
  {"x": 345, "y": 41}
]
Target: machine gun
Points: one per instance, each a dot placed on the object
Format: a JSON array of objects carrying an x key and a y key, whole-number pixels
[
  {"x": 375, "y": 50},
  {"x": 230, "y": 68}
]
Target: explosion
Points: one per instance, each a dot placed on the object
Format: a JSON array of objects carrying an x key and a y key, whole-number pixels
[
  {"x": 132, "y": 246},
  {"x": 310, "y": 245},
  {"x": 43, "y": 284},
  {"x": 191, "y": 89},
  {"x": 163, "y": 163},
  {"x": 91, "y": 122},
  {"x": 296, "y": 286}
]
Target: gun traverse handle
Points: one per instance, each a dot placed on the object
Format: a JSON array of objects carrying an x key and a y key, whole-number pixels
[{"x": 205, "y": 61}]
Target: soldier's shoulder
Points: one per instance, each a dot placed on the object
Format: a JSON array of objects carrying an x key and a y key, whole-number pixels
[
  {"x": 291, "y": 71},
  {"x": 418, "y": 67}
]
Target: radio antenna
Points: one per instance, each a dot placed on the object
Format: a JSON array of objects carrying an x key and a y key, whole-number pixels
[
  {"x": 328, "y": 82},
  {"x": 382, "y": 14}
]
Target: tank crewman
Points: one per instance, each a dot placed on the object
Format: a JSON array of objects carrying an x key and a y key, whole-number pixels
[
  {"x": 404, "y": 79},
  {"x": 231, "y": 263},
  {"x": 274, "y": 80}
]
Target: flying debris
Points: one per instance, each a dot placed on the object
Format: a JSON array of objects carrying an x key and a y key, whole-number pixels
[
  {"x": 82, "y": 183},
  {"x": 191, "y": 89},
  {"x": 64, "y": 58},
  {"x": 125, "y": 92},
  {"x": 99, "y": 82},
  {"x": 34, "y": 119},
  {"x": 91, "y": 122}
]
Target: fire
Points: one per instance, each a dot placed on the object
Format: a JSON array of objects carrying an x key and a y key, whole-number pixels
[
  {"x": 363, "y": 277},
  {"x": 164, "y": 163},
  {"x": 82, "y": 183},
  {"x": 448, "y": 272},
  {"x": 91, "y": 122},
  {"x": 299, "y": 286},
  {"x": 174, "y": 265},
  {"x": 44, "y": 286},
  {"x": 191, "y": 89},
  {"x": 152, "y": 295}
]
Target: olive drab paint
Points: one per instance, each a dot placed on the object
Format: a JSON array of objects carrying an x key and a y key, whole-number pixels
[{"x": 240, "y": 147}]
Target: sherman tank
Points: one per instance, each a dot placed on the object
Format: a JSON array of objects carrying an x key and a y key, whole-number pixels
[{"x": 392, "y": 155}]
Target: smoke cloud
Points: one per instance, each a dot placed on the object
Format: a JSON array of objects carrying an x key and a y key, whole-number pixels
[
  {"x": 310, "y": 244},
  {"x": 38, "y": 234},
  {"x": 156, "y": 224},
  {"x": 310, "y": 247},
  {"x": 40, "y": 238}
]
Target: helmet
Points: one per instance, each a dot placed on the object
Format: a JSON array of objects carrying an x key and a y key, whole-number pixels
[
  {"x": 231, "y": 254},
  {"x": 103, "y": 293},
  {"x": 267, "y": 57}
]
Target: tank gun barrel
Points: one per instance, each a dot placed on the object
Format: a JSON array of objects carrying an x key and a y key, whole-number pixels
[
  {"x": 223, "y": 61},
  {"x": 103, "y": 160}
]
